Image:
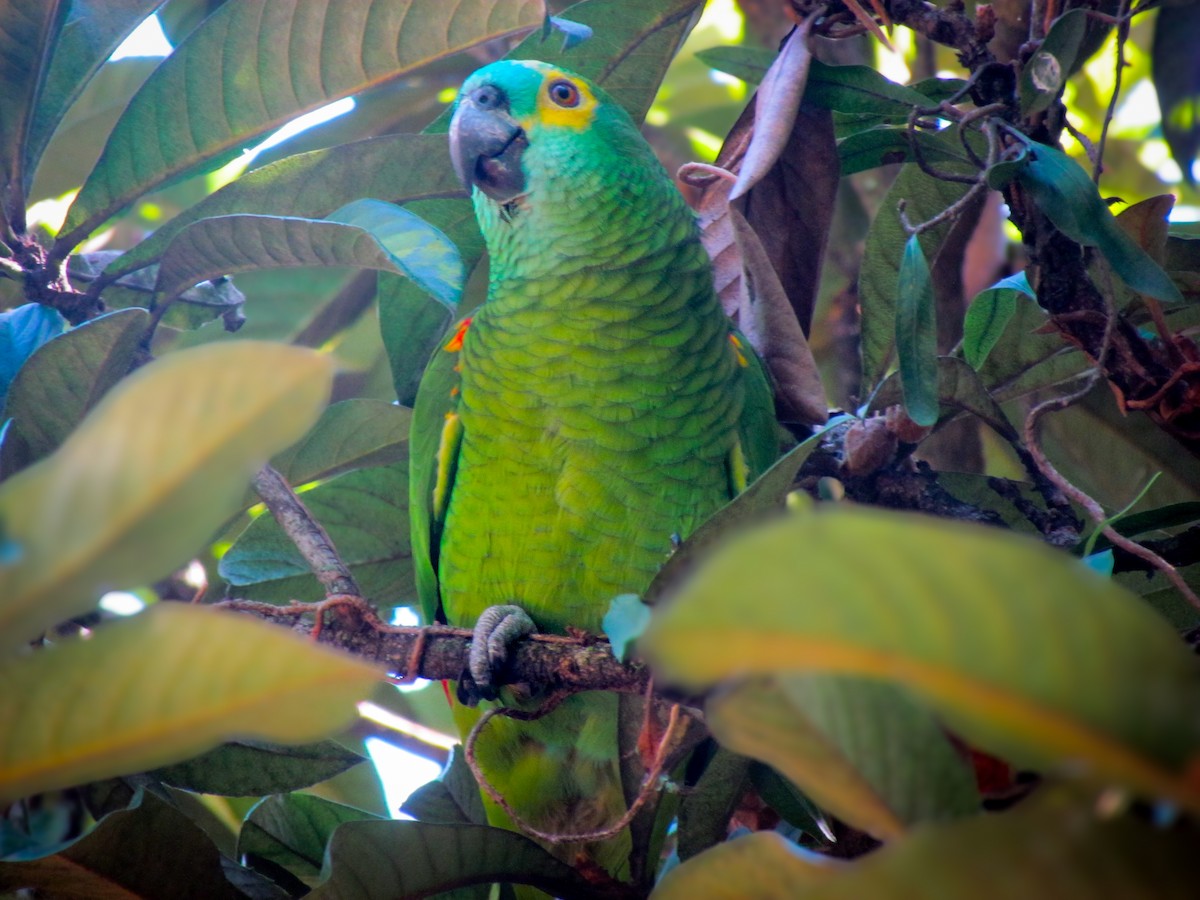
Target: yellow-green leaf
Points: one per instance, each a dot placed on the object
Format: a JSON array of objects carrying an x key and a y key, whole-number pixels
[
  {"x": 1054, "y": 847},
  {"x": 864, "y": 750},
  {"x": 1019, "y": 648},
  {"x": 160, "y": 463},
  {"x": 161, "y": 687},
  {"x": 760, "y": 866}
]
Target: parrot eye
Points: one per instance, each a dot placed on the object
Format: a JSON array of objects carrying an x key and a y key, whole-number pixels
[
  {"x": 487, "y": 97},
  {"x": 564, "y": 93}
]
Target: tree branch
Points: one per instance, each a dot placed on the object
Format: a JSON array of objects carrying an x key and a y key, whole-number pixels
[
  {"x": 550, "y": 662},
  {"x": 306, "y": 533}
]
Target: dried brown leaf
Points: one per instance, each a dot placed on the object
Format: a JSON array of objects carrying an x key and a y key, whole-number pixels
[{"x": 776, "y": 105}]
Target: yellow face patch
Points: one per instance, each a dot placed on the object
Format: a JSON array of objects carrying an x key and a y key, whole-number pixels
[{"x": 563, "y": 101}]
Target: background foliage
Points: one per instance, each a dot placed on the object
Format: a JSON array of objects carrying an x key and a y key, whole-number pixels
[{"x": 1002, "y": 308}]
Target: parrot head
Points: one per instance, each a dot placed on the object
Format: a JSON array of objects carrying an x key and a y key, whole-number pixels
[{"x": 519, "y": 122}]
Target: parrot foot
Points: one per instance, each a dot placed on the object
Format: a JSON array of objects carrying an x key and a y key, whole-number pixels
[{"x": 498, "y": 628}]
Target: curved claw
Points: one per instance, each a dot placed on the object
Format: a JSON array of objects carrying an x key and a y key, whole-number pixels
[{"x": 498, "y": 628}]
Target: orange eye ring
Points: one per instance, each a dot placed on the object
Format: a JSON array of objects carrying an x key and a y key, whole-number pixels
[{"x": 564, "y": 93}]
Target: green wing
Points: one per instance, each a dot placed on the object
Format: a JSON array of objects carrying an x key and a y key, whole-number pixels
[
  {"x": 434, "y": 440},
  {"x": 759, "y": 432}
]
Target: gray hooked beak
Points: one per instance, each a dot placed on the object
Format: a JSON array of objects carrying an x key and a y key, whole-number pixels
[{"x": 486, "y": 145}]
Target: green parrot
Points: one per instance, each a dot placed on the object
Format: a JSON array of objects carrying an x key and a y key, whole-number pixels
[{"x": 591, "y": 414}]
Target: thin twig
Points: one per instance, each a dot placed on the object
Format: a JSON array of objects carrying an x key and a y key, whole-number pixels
[
  {"x": 1122, "y": 37},
  {"x": 1093, "y": 508},
  {"x": 306, "y": 533}
]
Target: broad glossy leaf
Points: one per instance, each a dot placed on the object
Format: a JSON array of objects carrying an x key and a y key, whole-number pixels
[
  {"x": 150, "y": 849},
  {"x": 292, "y": 830},
  {"x": 353, "y": 434},
  {"x": 67, "y": 377},
  {"x": 147, "y": 477},
  {"x": 866, "y": 751},
  {"x": 251, "y": 769},
  {"x": 412, "y": 325},
  {"x": 391, "y": 239},
  {"x": 1029, "y": 355},
  {"x": 453, "y": 799},
  {"x": 22, "y": 331},
  {"x": 366, "y": 516},
  {"x": 29, "y": 30},
  {"x": 916, "y": 335},
  {"x": 763, "y": 865},
  {"x": 180, "y": 119},
  {"x": 76, "y": 143},
  {"x": 395, "y": 167},
  {"x": 179, "y": 679},
  {"x": 1023, "y": 651},
  {"x": 925, "y": 197},
  {"x": 90, "y": 34},
  {"x": 384, "y": 860},
  {"x": 1177, "y": 81}
]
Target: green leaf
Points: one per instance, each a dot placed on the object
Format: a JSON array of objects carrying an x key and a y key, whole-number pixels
[
  {"x": 925, "y": 197},
  {"x": 22, "y": 331},
  {"x": 959, "y": 389},
  {"x": 863, "y": 750},
  {"x": 353, "y": 434},
  {"x": 1177, "y": 81},
  {"x": 251, "y": 769},
  {"x": 92, "y": 31},
  {"x": 291, "y": 831},
  {"x": 1120, "y": 454},
  {"x": 413, "y": 325},
  {"x": 1068, "y": 198},
  {"x": 385, "y": 860},
  {"x": 988, "y": 316},
  {"x": 1052, "y": 847},
  {"x": 394, "y": 167},
  {"x": 422, "y": 252},
  {"x": 366, "y": 516},
  {"x": 762, "y": 496},
  {"x": 178, "y": 121},
  {"x": 179, "y": 679},
  {"x": 760, "y": 866},
  {"x": 884, "y": 145},
  {"x": 626, "y": 619},
  {"x": 705, "y": 809},
  {"x": 147, "y": 477},
  {"x": 67, "y": 376},
  {"x": 150, "y": 849},
  {"x": 29, "y": 31},
  {"x": 981, "y": 624},
  {"x": 849, "y": 89},
  {"x": 385, "y": 237},
  {"x": 1029, "y": 355},
  {"x": 453, "y": 799},
  {"x": 76, "y": 143},
  {"x": 190, "y": 309},
  {"x": 1044, "y": 74},
  {"x": 916, "y": 335}
]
